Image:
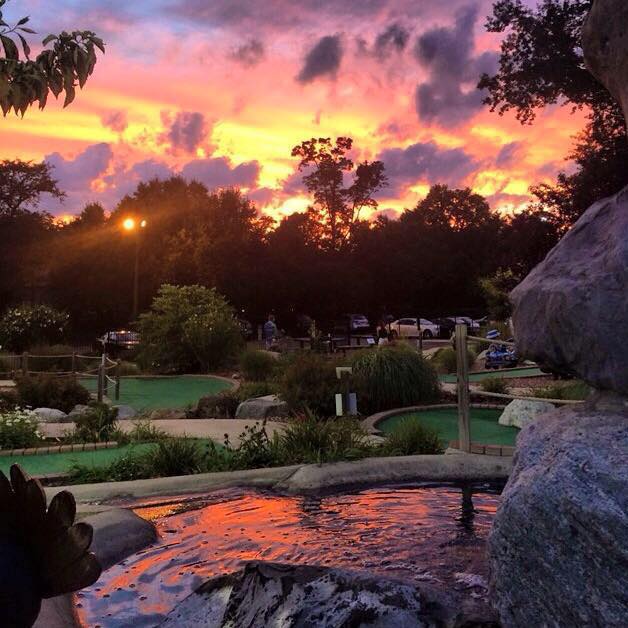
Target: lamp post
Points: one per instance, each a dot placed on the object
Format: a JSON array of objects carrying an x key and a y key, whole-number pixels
[{"x": 130, "y": 225}]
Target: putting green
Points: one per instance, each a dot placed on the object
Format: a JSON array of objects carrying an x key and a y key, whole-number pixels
[
  {"x": 484, "y": 426},
  {"x": 477, "y": 377},
  {"x": 150, "y": 393}
]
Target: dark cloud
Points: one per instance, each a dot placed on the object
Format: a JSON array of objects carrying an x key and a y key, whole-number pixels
[
  {"x": 424, "y": 162},
  {"x": 393, "y": 39},
  {"x": 262, "y": 196},
  {"x": 116, "y": 121},
  {"x": 186, "y": 131},
  {"x": 507, "y": 154},
  {"x": 322, "y": 60},
  {"x": 218, "y": 172},
  {"x": 77, "y": 175},
  {"x": 250, "y": 53},
  {"x": 450, "y": 96}
]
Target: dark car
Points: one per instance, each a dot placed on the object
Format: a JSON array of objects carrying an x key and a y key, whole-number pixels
[
  {"x": 352, "y": 323},
  {"x": 446, "y": 327}
]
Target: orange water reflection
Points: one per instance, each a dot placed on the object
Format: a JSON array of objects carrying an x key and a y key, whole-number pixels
[{"x": 414, "y": 533}]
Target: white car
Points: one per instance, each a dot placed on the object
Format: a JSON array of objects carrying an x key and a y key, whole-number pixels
[{"x": 405, "y": 327}]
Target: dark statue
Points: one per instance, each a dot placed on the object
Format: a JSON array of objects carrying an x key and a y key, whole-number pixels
[{"x": 43, "y": 553}]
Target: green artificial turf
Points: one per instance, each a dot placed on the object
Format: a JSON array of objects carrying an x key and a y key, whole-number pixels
[
  {"x": 477, "y": 377},
  {"x": 484, "y": 426},
  {"x": 150, "y": 393}
]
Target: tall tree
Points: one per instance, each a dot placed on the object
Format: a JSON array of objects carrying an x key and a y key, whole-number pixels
[
  {"x": 57, "y": 69},
  {"x": 337, "y": 207},
  {"x": 542, "y": 64}
]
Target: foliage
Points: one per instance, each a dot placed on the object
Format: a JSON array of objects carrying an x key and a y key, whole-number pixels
[
  {"x": 309, "y": 382},
  {"x": 249, "y": 390},
  {"x": 221, "y": 406},
  {"x": 255, "y": 450},
  {"x": 336, "y": 209},
  {"x": 96, "y": 425},
  {"x": 497, "y": 291},
  {"x": 393, "y": 377},
  {"x": 572, "y": 390},
  {"x": 129, "y": 368},
  {"x": 189, "y": 328},
  {"x": 18, "y": 429},
  {"x": 174, "y": 456},
  {"x": 143, "y": 431},
  {"x": 131, "y": 466},
  {"x": 495, "y": 385},
  {"x": 8, "y": 399},
  {"x": 410, "y": 438},
  {"x": 47, "y": 391},
  {"x": 446, "y": 361},
  {"x": 24, "y": 326},
  {"x": 68, "y": 63},
  {"x": 257, "y": 366}
]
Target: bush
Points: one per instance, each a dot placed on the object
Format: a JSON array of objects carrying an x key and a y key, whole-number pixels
[
  {"x": 495, "y": 385},
  {"x": 19, "y": 429},
  {"x": 96, "y": 425},
  {"x": 220, "y": 406},
  {"x": 175, "y": 456},
  {"x": 47, "y": 391},
  {"x": 257, "y": 366},
  {"x": 410, "y": 438},
  {"x": 256, "y": 450},
  {"x": 8, "y": 400},
  {"x": 143, "y": 431},
  {"x": 53, "y": 358},
  {"x": 393, "y": 377},
  {"x": 445, "y": 359},
  {"x": 188, "y": 329},
  {"x": 576, "y": 391},
  {"x": 309, "y": 382},
  {"x": 249, "y": 390},
  {"x": 28, "y": 325}
]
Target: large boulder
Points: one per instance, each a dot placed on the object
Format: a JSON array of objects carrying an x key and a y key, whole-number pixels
[
  {"x": 571, "y": 311},
  {"x": 300, "y": 596},
  {"x": 520, "y": 412},
  {"x": 268, "y": 407},
  {"x": 50, "y": 415},
  {"x": 78, "y": 411},
  {"x": 558, "y": 548}
]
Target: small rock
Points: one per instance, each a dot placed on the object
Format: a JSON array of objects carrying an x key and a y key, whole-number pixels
[
  {"x": 520, "y": 412},
  {"x": 263, "y": 408},
  {"x": 50, "y": 415},
  {"x": 125, "y": 412},
  {"x": 77, "y": 411}
]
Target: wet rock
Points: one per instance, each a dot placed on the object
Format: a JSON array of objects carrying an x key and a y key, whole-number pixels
[
  {"x": 520, "y": 412},
  {"x": 125, "y": 412},
  {"x": 291, "y": 596},
  {"x": 266, "y": 407},
  {"x": 571, "y": 311},
  {"x": 118, "y": 533},
  {"x": 50, "y": 415},
  {"x": 558, "y": 546}
]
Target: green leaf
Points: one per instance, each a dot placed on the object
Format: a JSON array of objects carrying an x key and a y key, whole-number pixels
[
  {"x": 10, "y": 49},
  {"x": 27, "y": 48},
  {"x": 48, "y": 39},
  {"x": 23, "y": 21},
  {"x": 25, "y": 29},
  {"x": 99, "y": 44}
]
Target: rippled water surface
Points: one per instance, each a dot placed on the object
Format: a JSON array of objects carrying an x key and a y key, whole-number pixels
[{"x": 420, "y": 533}]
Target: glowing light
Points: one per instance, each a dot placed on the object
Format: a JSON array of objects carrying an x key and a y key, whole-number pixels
[{"x": 129, "y": 224}]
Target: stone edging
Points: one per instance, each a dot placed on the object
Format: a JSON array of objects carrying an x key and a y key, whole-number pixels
[{"x": 58, "y": 449}]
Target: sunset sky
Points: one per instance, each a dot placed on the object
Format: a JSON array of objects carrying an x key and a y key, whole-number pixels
[{"x": 221, "y": 90}]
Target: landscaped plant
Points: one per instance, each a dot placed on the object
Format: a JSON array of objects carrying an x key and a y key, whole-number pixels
[
  {"x": 411, "y": 438},
  {"x": 48, "y": 391},
  {"x": 28, "y": 325},
  {"x": 97, "y": 424},
  {"x": 188, "y": 329},
  {"x": 220, "y": 406},
  {"x": 249, "y": 390},
  {"x": 576, "y": 390},
  {"x": 393, "y": 377},
  {"x": 257, "y": 366},
  {"x": 445, "y": 359},
  {"x": 174, "y": 456},
  {"x": 18, "y": 429},
  {"x": 495, "y": 385}
]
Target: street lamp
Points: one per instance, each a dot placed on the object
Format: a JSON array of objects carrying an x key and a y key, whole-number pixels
[{"x": 131, "y": 224}]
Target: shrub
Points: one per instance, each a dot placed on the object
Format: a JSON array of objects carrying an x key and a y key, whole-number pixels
[
  {"x": 257, "y": 366},
  {"x": 131, "y": 466},
  {"x": 8, "y": 400},
  {"x": 53, "y": 358},
  {"x": 28, "y": 325},
  {"x": 174, "y": 456},
  {"x": 18, "y": 429},
  {"x": 576, "y": 391},
  {"x": 256, "y": 450},
  {"x": 188, "y": 329},
  {"x": 410, "y": 438},
  {"x": 393, "y": 377},
  {"x": 309, "y": 382},
  {"x": 97, "y": 424},
  {"x": 143, "y": 431},
  {"x": 220, "y": 406},
  {"x": 445, "y": 359},
  {"x": 249, "y": 390},
  {"x": 495, "y": 385},
  {"x": 47, "y": 391}
]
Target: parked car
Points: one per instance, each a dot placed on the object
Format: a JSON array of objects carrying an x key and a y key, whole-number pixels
[
  {"x": 446, "y": 327},
  {"x": 473, "y": 327},
  {"x": 405, "y": 327},
  {"x": 353, "y": 323},
  {"x": 120, "y": 339}
]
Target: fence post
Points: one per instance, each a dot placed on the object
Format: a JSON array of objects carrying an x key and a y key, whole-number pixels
[
  {"x": 117, "y": 389},
  {"x": 25, "y": 363},
  {"x": 464, "y": 432},
  {"x": 100, "y": 379}
]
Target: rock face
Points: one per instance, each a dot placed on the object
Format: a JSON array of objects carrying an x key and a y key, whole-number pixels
[
  {"x": 559, "y": 543},
  {"x": 520, "y": 412},
  {"x": 266, "y": 407},
  {"x": 605, "y": 45},
  {"x": 290, "y": 596},
  {"x": 50, "y": 415},
  {"x": 571, "y": 311}
]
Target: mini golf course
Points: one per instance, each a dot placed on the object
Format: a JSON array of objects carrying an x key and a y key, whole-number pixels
[
  {"x": 484, "y": 426},
  {"x": 151, "y": 393}
]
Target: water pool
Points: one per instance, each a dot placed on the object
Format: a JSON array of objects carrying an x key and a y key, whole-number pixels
[
  {"x": 432, "y": 534},
  {"x": 150, "y": 393}
]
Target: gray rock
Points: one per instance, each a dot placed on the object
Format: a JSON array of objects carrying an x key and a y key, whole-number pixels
[
  {"x": 266, "y": 407},
  {"x": 520, "y": 412},
  {"x": 571, "y": 311},
  {"x": 605, "y": 46},
  {"x": 558, "y": 548},
  {"x": 118, "y": 533},
  {"x": 167, "y": 414},
  {"x": 125, "y": 412},
  {"x": 291, "y": 596},
  {"x": 77, "y": 411},
  {"x": 50, "y": 415}
]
